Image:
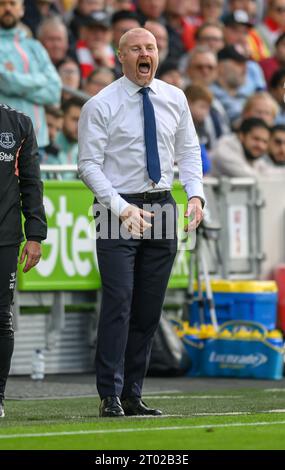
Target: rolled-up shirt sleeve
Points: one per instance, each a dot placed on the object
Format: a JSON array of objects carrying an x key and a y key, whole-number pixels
[
  {"x": 93, "y": 138},
  {"x": 188, "y": 155}
]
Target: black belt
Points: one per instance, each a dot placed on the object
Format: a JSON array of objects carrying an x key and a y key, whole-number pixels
[{"x": 147, "y": 196}]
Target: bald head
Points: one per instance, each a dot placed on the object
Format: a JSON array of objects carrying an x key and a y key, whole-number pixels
[
  {"x": 127, "y": 37},
  {"x": 138, "y": 55}
]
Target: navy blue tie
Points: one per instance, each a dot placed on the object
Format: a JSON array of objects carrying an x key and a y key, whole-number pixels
[{"x": 152, "y": 157}]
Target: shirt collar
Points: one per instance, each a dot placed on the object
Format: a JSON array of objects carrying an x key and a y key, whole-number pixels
[{"x": 132, "y": 88}]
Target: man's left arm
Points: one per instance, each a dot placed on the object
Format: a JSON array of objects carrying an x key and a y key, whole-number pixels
[
  {"x": 31, "y": 192},
  {"x": 188, "y": 158}
]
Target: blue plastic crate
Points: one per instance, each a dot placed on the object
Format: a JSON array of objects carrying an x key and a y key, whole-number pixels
[{"x": 250, "y": 306}]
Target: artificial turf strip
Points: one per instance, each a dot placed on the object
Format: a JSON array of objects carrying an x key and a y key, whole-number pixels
[{"x": 75, "y": 415}]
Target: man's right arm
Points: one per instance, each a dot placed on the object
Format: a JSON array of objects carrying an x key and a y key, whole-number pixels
[{"x": 93, "y": 139}]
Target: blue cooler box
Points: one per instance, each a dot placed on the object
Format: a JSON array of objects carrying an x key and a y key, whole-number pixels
[
  {"x": 249, "y": 358},
  {"x": 241, "y": 300}
]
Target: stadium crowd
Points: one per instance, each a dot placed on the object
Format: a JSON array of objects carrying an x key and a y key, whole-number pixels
[{"x": 227, "y": 55}]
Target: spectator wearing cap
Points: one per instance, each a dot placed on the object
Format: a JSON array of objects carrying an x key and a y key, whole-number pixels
[
  {"x": 243, "y": 154},
  {"x": 122, "y": 21},
  {"x": 257, "y": 47},
  {"x": 276, "y": 62},
  {"x": 93, "y": 48},
  {"x": 180, "y": 30},
  {"x": 211, "y": 34},
  {"x": 277, "y": 90},
  {"x": 53, "y": 35},
  {"x": 237, "y": 29},
  {"x": 84, "y": 8},
  {"x": 228, "y": 88},
  {"x": 161, "y": 35},
  {"x": 169, "y": 73},
  {"x": 150, "y": 10},
  {"x": 273, "y": 24}
]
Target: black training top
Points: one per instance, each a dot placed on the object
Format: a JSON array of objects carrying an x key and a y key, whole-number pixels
[{"x": 21, "y": 188}]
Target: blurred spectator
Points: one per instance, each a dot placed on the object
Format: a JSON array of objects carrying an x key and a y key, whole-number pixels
[
  {"x": 69, "y": 73},
  {"x": 237, "y": 28},
  {"x": 49, "y": 153},
  {"x": 200, "y": 100},
  {"x": 202, "y": 69},
  {"x": 98, "y": 80},
  {"x": 117, "y": 5},
  {"x": 67, "y": 139},
  {"x": 93, "y": 48},
  {"x": 53, "y": 35},
  {"x": 231, "y": 77},
  {"x": 202, "y": 66},
  {"x": 277, "y": 90},
  {"x": 29, "y": 80},
  {"x": 261, "y": 105},
  {"x": 84, "y": 9},
  {"x": 257, "y": 47},
  {"x": 211, "y": 34},
  {"x": 161, "y": 35},
  {"x": 150, "y": 10},
  {"x": 122, "y": 21},
  {"x": 180, "y": 30},
  {"x": 273, "y": 24},
  {"x": 243, "y": 154},
  {"x": 277, "y": 61},
  {"x": 36, "y": 10},
  {"x": 169, "y": 73},
  {"x": 276, "y": 150},
  {"x": 211, "y": 10}
]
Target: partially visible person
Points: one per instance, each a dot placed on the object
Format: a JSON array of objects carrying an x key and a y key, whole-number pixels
[
  {"x": 276, "y": 62},
  {"x": 98, "y": 80},
  {"x": 276, "y": 148},
  {"x": 36, "y": 11},
  {"x": 83, "y": 10},
  {"x": 201, "y": 66},
  {"x": 211, "y": 34},
  {"x": 277, "y": 90},
  {"x": 150, "y": 10},
  {"x": 122, "y": 21},
  {"x": 50, "y": 153},
  {"x": 273, "y": 24},
  {"x": 180, "y": 31},
  {"x": 69, "y": 72},
  {"x": 169, "y": 73},
  {"x": 243, "y": 154},
  {"x": 200, "y": 100},
  {"x": 53, "y": 35},
  {"x": 93, "y": 48},
  {"x": 211, "y": 10},
  {"x": 29, "y": 80},
  {"x": 67, "y": 139},
  {"x": 228, "y": 87},
  {"x": 261, "y": 105},
  {"x": 161, "y": 35},
  {"x": 20, "y": 193}
]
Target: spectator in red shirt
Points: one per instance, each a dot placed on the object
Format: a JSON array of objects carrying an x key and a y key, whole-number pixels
[{"x": 274, "y": 63}]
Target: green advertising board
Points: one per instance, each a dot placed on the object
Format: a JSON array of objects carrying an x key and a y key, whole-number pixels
[{"x": 69, "y": 259}]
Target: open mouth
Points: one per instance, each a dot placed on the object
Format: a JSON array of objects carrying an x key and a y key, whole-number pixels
[{"x": 144, "y": 68}]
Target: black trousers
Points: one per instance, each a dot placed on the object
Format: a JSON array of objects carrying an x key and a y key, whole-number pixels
[
  {"x": 134, "y": 275},
  {"x": 8, "y": 263}
]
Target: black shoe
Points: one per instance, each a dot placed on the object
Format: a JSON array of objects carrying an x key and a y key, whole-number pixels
[
  {"x": 2, "y": 414},
  {"x": 135, "y": 406},
  {"x": 111, "y": 407}
]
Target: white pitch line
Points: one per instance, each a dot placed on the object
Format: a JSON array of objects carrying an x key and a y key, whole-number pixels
[
  {"x": 196, "y": 397},
  {"x": 274, "y": 390},
  {"x": 116, "y": 431}
]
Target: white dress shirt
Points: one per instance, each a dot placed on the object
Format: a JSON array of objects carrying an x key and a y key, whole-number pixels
[{"x": 112, "y": 156}]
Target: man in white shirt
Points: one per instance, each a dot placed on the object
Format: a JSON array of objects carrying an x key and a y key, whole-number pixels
[{"x": 129, "y": 166}]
